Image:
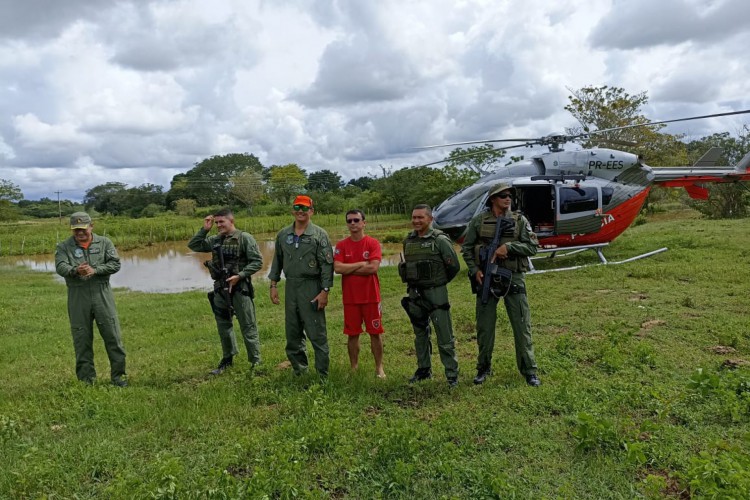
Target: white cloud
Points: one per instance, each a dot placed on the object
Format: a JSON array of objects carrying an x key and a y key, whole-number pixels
[{"x": 139, "y": 91}]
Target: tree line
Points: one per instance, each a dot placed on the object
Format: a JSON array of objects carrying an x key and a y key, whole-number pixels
[{"x": 240, "y": 180}]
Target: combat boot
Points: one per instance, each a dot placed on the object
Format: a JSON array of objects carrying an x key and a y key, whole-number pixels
[
  {"x": 533, "y": 380},
  {"x": 421, "y": 374},
  {"x": 223, "y": 365},
  {"x": 482, "y": 374}
]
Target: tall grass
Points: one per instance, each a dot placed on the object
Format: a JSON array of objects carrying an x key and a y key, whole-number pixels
[
  {"x": 41, "y": 236},
  {"x": 646, "y": 393}
]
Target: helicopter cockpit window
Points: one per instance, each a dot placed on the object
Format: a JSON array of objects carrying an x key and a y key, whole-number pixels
[
  {"x": 607, "y": 195},
  {"x": 578, "y": 199},
  {"x": 461, "y": 206}
]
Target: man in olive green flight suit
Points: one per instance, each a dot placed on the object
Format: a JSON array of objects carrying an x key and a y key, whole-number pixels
[
  {"x": 516, "y": 246},
  {"x": 429, "y": 264},
  {"x": 86, "y": 261},
  {"x": 234, "y": 259},
  {"x": 303, "y": 251}
]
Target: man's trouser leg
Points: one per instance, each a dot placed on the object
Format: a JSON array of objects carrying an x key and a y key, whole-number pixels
[
  {"x": 82, "y": 330},
  {"x": 295, "y": 335},
  {"x": 105, "y": 315},
  {"x": 244, "y": 308},
  {"x": 225, "y": 327},
  {"x": 314, "y": 323},
  {"x": 441, "y": 320},
  {"x": 486, "y": 316},
  {"x": 423, "y": 346},
  {"x": 519, "y": 315}
]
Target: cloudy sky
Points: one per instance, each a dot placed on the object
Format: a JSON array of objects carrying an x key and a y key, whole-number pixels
[{"x": 93, "y": 91}]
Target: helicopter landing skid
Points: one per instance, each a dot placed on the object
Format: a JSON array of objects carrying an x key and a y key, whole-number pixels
[{"x": 577, "y": 249}]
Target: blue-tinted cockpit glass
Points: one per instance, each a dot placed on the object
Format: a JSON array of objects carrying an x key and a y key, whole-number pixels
[{"x": 461, "y": 207}]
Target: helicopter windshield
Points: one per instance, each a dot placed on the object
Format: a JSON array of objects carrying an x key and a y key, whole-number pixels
[{"x": 460, "y": 207}]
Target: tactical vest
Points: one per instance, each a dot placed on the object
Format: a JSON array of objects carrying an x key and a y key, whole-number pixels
[
  {"x": 423, "y": 265},
  {"x": 516, "y": 263},
  {"x": 231, "y": 248}
]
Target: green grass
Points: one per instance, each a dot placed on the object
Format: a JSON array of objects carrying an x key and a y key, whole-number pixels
[{"x": 634, "y": 401}]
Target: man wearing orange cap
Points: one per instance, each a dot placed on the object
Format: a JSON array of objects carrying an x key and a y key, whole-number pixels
[
  {"x": 86, "y": 261},
  {"x": 304, "y": 253}
]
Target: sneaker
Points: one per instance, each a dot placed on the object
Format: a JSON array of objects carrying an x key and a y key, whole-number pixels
[
  {"x": 482, "y": 375},
  {"x": 452, "y": 382},
  {"x": 533, "y": 380},
  {"x": 223, "y": 365},
  {"x": 421, "y": 374}
]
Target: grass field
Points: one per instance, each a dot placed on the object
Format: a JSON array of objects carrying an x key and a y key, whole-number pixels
[{"x": 646, "y": 393}]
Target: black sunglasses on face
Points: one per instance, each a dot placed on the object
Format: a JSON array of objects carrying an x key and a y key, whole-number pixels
[
  {"x": 352, "y": 221},
  {"x": 300, "y": 208},
  {"x": 502, "y": 195}
]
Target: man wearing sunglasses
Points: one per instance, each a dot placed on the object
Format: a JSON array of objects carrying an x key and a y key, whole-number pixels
[
  {"x": 357, "y": 258},
  {"x": 517, "y": 244},
  {"x": 303, "y": 251}
]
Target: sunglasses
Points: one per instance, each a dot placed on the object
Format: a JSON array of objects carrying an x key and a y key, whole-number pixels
[
  {"x": 352, "y": 221},
  {"x": 502, "y": 195},
  {"x": 300, "y": 208}
]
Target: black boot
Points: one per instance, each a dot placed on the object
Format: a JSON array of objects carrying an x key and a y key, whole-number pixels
[
  {"x": 421, "y": 374},
  {"x": 223, "y": 365},
  {"x": 533, "y": 380},
  {"x": 482, "y": 374}
]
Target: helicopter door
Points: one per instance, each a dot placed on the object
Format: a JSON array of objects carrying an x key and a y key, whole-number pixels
[{"x": 577, "y": 209}]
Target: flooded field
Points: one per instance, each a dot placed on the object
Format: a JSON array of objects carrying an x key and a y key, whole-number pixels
[{"x": 168, "y": 267}]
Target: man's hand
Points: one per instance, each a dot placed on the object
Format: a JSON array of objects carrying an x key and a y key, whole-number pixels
[
  {"x": 501, "y": 252},
  {"x": 85, "y": 270},
  {"x": 275, "y": 294},
  {"x": 208, "y": 222},
  {"x": 322, "y": 299},
  {"x": 479, "y": 277},
  {"x": 232, "y": 281}
]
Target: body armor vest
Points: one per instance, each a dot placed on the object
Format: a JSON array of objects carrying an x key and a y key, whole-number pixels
[
  {"x": 516, "y": 263},
  {"x": 423, "y": 265},
  {"x": 231, "y": 249}
]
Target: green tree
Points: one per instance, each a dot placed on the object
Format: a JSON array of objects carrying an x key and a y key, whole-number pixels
[
  {"x": 726, "y": 200},
  {"x": 285, "y": 182},
  {"x": 105, "y": 198},
  {"x": 9, "y": 193},
  {"x": 210, "y": 181},
  {"x": 185, "y": 206},
  {"x": 599, "y": 108},
  {"x": 137, "y": 199},
  {"x": 480, "y": 159},
  {"x": 324, "y": 181},
  {"x": 248, "y": 187},
  {"x": 364, "y": 183}
]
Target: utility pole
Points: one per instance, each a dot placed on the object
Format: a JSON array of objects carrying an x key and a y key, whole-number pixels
[{"x": 59, "y": 208}]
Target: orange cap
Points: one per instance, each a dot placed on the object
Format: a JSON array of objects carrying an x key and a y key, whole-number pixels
[{"x": 303, "y": 200}]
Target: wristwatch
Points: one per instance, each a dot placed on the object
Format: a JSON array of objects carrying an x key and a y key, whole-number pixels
[{"x": 326, "y": 289}]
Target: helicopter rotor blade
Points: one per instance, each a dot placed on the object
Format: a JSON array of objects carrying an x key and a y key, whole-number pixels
[
  {"x": 474, "y": 153},
  {"x": 475, "y": 142},
  {"x": 604, "y": 130}
]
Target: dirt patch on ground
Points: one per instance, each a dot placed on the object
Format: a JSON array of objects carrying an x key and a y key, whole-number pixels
[
  {"x": 284, "y": 365},
  {"x": 722, "y": 349},
  {"x": 648, "y": 325},
  {"x": 637, "y": 297},
  {"x": 733, "y": 364}
]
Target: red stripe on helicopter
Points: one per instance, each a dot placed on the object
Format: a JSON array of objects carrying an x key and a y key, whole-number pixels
[{"x": 614, "y": 223}]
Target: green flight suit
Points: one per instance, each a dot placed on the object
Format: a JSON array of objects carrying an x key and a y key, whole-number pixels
[
  {"x": 433, "y": 301},
  {"x": 242, "y": 257},
  {"x": 521, "y": 245},
  {"x": 91, "y": 299},
  {"x": 307, "y": 262}
]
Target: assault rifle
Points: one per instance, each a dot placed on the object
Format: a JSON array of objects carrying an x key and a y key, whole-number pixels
[
  {"x": 220, "y": 275},
  {"x": 493, "y": 273}
]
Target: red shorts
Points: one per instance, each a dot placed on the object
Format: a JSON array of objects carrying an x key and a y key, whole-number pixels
[{"x": 356, "y": 314}]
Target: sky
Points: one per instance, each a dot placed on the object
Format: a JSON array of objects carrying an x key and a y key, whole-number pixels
[{"x": 96, "y": 91}]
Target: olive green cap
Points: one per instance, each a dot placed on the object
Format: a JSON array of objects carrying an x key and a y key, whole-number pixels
[{"x": 80, "y": 220}]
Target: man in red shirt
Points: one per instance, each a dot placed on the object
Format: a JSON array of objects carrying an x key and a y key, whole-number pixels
[{"x": 357, "y": 258}]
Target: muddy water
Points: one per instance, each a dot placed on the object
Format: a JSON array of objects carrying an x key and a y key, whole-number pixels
[{"x": 168, "y": 267}]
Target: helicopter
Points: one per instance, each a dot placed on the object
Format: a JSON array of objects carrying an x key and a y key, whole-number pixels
[{"x": 581, "y": 199}]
